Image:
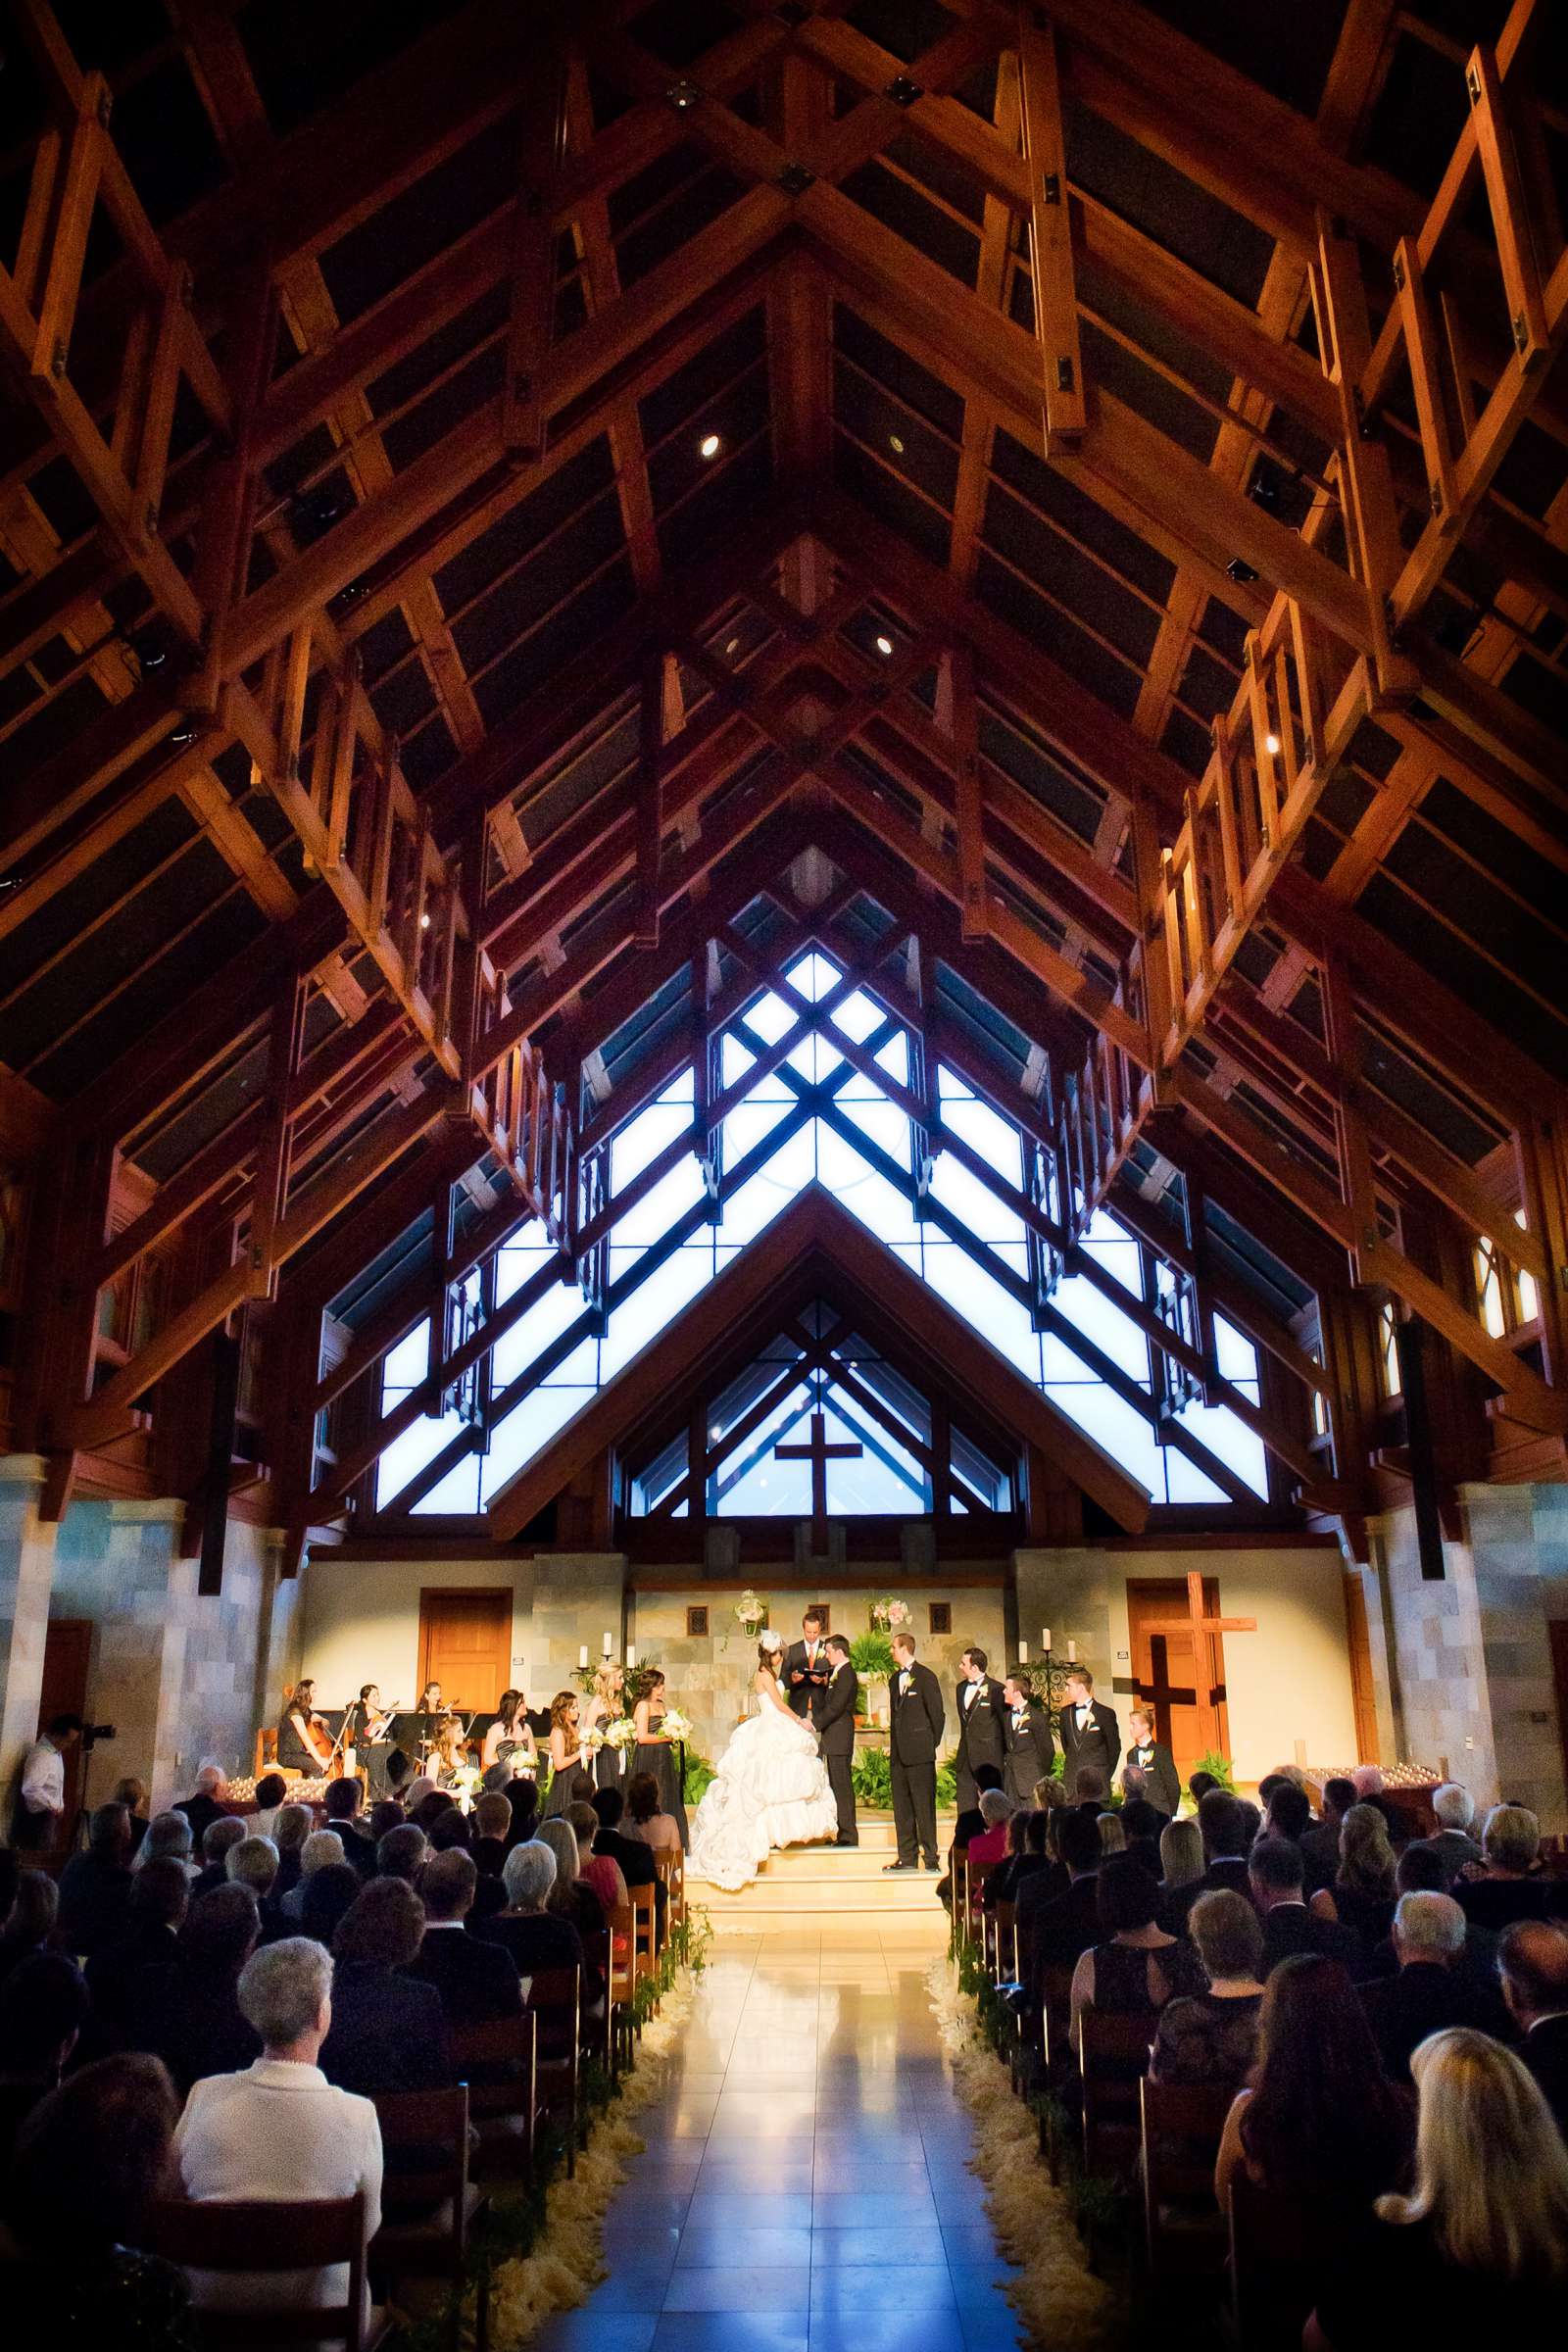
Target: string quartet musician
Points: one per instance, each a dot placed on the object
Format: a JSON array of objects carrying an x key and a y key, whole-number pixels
[{"x": 304, "y": 1742}]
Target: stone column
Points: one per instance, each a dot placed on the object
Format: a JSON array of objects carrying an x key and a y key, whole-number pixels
[
  {"x": 27, "y": 1577},
  {"x": 578, "y": 1598}
]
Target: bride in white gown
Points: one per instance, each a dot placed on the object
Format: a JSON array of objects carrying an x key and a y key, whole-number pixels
[{"x": 771, "y": 1788}]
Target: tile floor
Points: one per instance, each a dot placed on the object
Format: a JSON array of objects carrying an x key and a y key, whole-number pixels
[{"x": 804, "y": 2186}]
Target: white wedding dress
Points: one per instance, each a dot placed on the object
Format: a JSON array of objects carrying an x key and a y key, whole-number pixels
[{"x": 771, "y": 1790}]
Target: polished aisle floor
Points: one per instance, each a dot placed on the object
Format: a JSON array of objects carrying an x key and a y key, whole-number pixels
[{"x": 804, "y": 2186}]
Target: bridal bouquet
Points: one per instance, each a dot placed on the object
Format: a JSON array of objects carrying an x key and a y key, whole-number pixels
[
  {"x": 888, "y": 1616},
  {"x": 465, "y": 1782},
  {"x": 676, "y": 1725},
  {"x": 621, "y": 1734}
]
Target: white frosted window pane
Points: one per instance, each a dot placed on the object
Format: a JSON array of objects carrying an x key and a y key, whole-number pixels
[
  {"x": 973, "y": 1204},
  {"x": 1104, "y": 1227},
  {"x": 653, "y": 1304},
  {"x": 887, "y": 1127},
  {"x": 1237, "y": 1358},
  {"x": 578, "y": 1370},
  {"x": 410, "y": 1453},
  {"x": 659, "y": 1209},
  {"x": 650, "y": 1131},
  {"x": 1185, "y": 1483},
  {"x": 951, "y": 1088},
  {"x": 757, "y": 1203},
  {"x": 735, "y": 1059},
  {"x": 554, "y": 1313},
  {"x": 409, "y": 1361},
  {"x": 813, "y": 975},
  {"x": 747, "y": 1125},
  {"x": 514, "y": 1267},
  {"x": 1060, "y": 1364},
  {"x": 954, "y": 1275},
  {"x": 879, "y": 1208},
  {"x": 1122, "y": 1432},
  {"x": 771, "y": 1018},
  {"x": 814, "y": 1059},
  {"x": 1217, "y": 1428},
  {"x": 893, "y": 1057},
  {"x": 996, "y": 1143},
  {"x": 856, "y": 1016},
  {"x": 1120, "y": 1260},
  {"x": 1088, "y": 1310},
  {"x": 456, "y": 1493},
  {"x": 520, "y": 1436}
]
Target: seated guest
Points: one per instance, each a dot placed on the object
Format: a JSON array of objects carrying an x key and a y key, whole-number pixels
[
  {"x": 1180, "y": 1872},
  {"x": 1453, "y": 1809},
  {"x": 329, "y": 1893},
  {"x": 1112, "y": 1836},
  {"x": 1142, "y": 1823},
  {"x": 1288, "y": 1814},
  {"x": 1091, "y": 1790},
  {"x": 1478, "y": 2252},
  {"x": 1431, "y": 1991},
  {"x": 1507, "y": 1889},
  {"x": 1041, "y": 1886},
  {"x": 492, "y": 1843},
  {"x": 1320, "y": 1844},
  {"x": 208, "y": 1800},
  {"x": 1532, "y": 1965},
  {"x": 572, "y": 1897},
  {"x": 342, "y": 1806},
  {"x": 534, "y": 1934},
  {"x": 385, "y": 1814},
  {"x": 1251, "y": 1822},
  {"x": 89, "y": 2162},
  {"x": 1199, "y": 1784},
  {"x": 132, "y": 1794},
  {"x": 95, "y": 1887},
  {"x": 1362, "y": 1895},
  {"x": 218, "y": 1839},
  {"x": 30, "y": 1920},
  {"x": 999, "y": 1886},
  {"x": 160, "y": 1896},
  {"x": 1137, "y": 1967},
  {"x": 996, "y": 1809},
  {"x": 1321, "y": 2121},
  {"x": 1060, "y": 1932},
  {"x": 272, "y": 1791},
  {"x": 189, "y": 2014},
  {"x": 603, "y": 1873},
  {"x": 1367, "y": 1782},
  {"x": 633, "y": 1858},
  {"x": 252, "y": 1863},
  {"x": 293, "y": 1825},
  {"x": 388, "y": 2031},
  {"x": 168, "y": 1837},
  {"x": 402, "y": 1853},
  {"x": 1223, "y": 1825},
  {"x": 1157, "y": 1781},
  {"x": 1420, "y": 1871},
  {"x": 43, "y": 2007},
  {"x": 477, "y": 1979},
  {"x": 970, "y": 1822},
  {"x": 645, "y": 1818},
  {"x": 323, "y": 1850},
  {"x": 279, "y": 2130},
  {"x": 1211, "y": 2037},
  {"x": 430, "y": 1808},
  {"x": 450, "y": 1832},
  {"x": 1274, "y": 1881},
  {"x": 521, "y": 1793}
]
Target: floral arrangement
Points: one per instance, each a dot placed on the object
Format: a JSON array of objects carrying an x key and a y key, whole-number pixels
[
  {"x": 465, "y": 1782},
  {"x": 889, "y": 1616},
  {"x": 676, "y": 1725},
  {"x": 750, "y": 1614}
]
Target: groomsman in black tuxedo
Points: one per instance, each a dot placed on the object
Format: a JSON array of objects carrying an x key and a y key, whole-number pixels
[
  {"x": 917, "y": 1719},
  {"x": 1145, "y": 1754},
  {"x": 1088, "y": 1732},
  {"x": 835, "y": 1731},
  {"x": 806, "y": 1669},
  {"x": 982, "y": 1725},
  {"x": 1031, "y": 1752}
]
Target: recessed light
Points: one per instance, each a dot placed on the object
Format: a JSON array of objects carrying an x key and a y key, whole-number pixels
[
  {"x": 709, "y": 445},
  {"x": 895, "y": 444},
  {"x": 733, "y": 646},
  {"x": 884, "y": 646},
  {"x": 1271, "y": 744},
  {"x": 424, "y": 922}
]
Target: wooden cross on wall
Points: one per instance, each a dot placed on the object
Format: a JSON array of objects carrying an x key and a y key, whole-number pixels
[
  {"x": 1198, "y": 1624},
  {"x": 818, "y": 1453}
]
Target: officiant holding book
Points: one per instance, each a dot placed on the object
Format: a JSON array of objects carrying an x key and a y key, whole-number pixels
[{"x": 807, "y": 1668}]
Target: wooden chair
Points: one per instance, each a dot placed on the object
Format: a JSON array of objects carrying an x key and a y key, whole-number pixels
[
  {"x": 1053, "y": 2047},
  {"x": 498, "y": 2064},
  {"x": 433, "y": 2242},
  {"x": 671, "y": 1869},
  {"x": 271, "y": 2240},
  {"x": 555, "y": 2001},
  {"x": 1004, "y": 1946},
  {"x": 1114, "y": 2054},
  {"x": 1182, "y": 2124},
  {"x": 1278, "y": 2249},
  {"x": 599, "y": 2021},
  {"x": 645, "y": 1931},
  {"x": 621, "y": 1980}
]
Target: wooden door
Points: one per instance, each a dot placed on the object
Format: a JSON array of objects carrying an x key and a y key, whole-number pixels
[
  {"x": 466, "y": 1646},
  {"x": 66, "y": 1658},
  {"x": 1165, "y": 1670}
]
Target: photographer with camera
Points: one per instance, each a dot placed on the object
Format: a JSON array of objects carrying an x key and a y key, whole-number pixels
[{"x": 39, "y": 1820}]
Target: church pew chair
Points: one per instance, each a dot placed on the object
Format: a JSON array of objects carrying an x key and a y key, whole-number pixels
[
  {"x": 621, "y": 1980},
  {"x": 442, "y": 2204},
  {"x": 270, "y": 2240},
  {"x": 555, "y": 2001},
  {"x": 1181, "y": 2126},
  {"x": 1113, "y": 2053},
  {"x": 672, "y": 1876},
  {"x": 975, "y": 1874},
  {"x": 599, "y": 2018},
  {"x": 1053, "y": 2049},
  {"x": 1004, "y": 1946},
  {"x": 1277, "y": 2260},
  {"x": 498, "y": 2064},
  {"x": 645, "y": 1932}
]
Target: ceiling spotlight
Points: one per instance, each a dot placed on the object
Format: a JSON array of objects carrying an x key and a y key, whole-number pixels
[
  {"x": 150, "y": 650},
  {"x": 895, "y": 444},
  {"x": 1271, "y": 745},
  {"x": 183, "y": 735},
  {"x": 709, "y": 445},
  {"x": 682, "y": 96},
  {"x": 424, "y": 922},
  {"x": 732, "y": 645},
  {"x": 1241, "y": 572},
  {"x": 1264, "y": 489},
  {"x": 884, "y": 646}
]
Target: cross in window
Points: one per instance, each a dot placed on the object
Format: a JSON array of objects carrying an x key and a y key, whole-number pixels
[{"x": 818, "y": 1453}]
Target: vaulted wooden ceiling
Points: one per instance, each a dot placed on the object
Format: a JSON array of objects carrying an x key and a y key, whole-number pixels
[{"x": 485, "y": 491}]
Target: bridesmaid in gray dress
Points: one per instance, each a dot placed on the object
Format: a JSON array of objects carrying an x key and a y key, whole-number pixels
[{"x": 568, "y": 1754}]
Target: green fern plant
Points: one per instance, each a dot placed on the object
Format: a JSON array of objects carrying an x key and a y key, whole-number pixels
[
  {"x": 871, "y": 1657},
  {"x": 1220, "y": 1767}
]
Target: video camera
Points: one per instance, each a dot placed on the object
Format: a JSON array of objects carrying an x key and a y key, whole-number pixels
[{"x": 92, "y": 1732}]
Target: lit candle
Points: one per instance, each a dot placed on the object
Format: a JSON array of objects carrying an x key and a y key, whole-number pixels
[
  {"x": 631, "y": 1655},
  {"x": 582, "y": 1654},
  {"x": 1045, "y": 1640},
  {"x": 608, "y": 1646},
  {"x": 1072, "y": 1652},
  {"x": 1023, "y": 1653}
]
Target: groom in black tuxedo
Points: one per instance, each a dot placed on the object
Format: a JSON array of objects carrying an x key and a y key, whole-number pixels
[
  {"x": 806, "y": 1670},
  {"x": 835, "y": 1728}
]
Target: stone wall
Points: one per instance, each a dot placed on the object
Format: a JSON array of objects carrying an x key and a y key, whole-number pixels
[{"x": 26, "y": 1571}]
